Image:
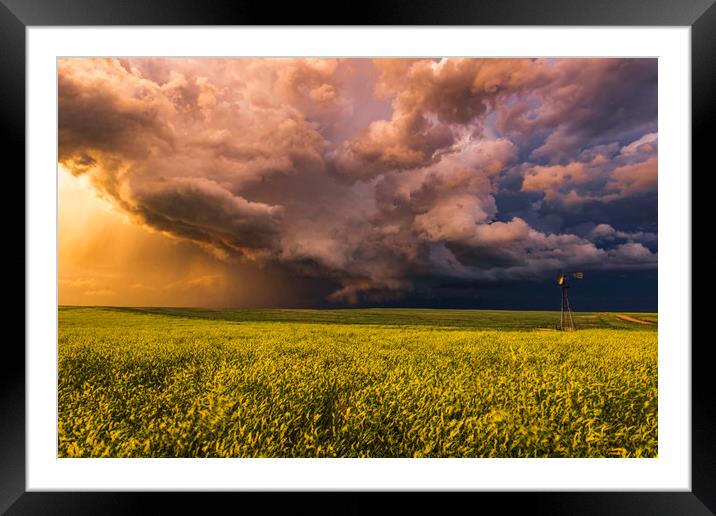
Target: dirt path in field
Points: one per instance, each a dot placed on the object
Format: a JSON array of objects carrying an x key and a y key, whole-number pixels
[{"x": 632, "y": 319}]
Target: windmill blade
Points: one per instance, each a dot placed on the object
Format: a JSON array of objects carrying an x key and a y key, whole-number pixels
[{"x": 578, "y": 275}]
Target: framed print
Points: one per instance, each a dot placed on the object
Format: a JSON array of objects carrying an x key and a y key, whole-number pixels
[{"x": 267, "y": 251}]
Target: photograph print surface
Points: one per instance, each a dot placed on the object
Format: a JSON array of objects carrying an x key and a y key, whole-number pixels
[{"x": 313, "y": 257}]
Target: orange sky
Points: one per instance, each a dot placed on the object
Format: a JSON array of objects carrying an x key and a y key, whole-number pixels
[{"x": 106, "y": 259}]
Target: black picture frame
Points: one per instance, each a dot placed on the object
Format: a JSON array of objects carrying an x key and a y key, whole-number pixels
[{"x": 16, "y": 15}]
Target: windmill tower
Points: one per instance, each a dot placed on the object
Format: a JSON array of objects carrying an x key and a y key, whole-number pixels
[{"x": 566, "y": 320}]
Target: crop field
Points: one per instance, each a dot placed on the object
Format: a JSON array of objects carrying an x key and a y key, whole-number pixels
[{"x": 354, "y": 383}]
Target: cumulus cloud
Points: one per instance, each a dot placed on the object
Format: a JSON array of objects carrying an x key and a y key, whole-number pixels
[
  {"x": 287, "y": 163},
  {"x": 632, "y": 253},
  {"x": 644, "y": 145},
  {"x": 584, "y": 102},
  {"x": 432, "y": 99},
  {"x": 633, "y": 178},
  {"x": 598, "y": 176}
]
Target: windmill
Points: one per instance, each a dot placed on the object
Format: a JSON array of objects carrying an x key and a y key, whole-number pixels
[{"x": 566, "y": 321}]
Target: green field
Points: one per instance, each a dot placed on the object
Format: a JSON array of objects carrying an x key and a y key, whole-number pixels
[{"x": 354, "y": 383}]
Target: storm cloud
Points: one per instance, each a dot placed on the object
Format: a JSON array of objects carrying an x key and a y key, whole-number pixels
[{"x": 372, "y": 174}]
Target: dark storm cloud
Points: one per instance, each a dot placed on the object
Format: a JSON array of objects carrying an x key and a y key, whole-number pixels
[
  {"x": 483, "y": 169},
  {"x": 202, "y": 210},
  {"x": 586, "y": 102}
]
